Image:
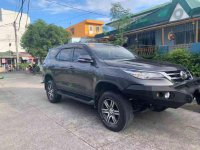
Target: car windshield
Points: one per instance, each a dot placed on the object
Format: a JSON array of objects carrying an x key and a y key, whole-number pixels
[{"x": 111, "y": 52}]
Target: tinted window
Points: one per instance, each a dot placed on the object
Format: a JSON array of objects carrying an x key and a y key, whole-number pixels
[
  {"x": 65, "y": 55},
  {"x": 111, "y": 52},
  {"x": 52, "y": 53},
  {"x": 78, "y": 53}
]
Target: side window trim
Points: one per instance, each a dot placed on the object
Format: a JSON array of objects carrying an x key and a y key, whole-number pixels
[{"x": 72, "y": 52}]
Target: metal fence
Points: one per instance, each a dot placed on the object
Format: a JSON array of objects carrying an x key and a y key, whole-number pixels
[{"x": 150, "y": 51}]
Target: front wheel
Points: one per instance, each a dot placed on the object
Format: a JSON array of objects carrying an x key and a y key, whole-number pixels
[
  {"x": 198, "y": 100},
  {"x": 51, "y": 91},
  {"x": 115, "y": 111}
]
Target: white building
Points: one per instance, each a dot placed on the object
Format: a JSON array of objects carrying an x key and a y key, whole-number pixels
[
  {"x": 7, "y": 34},
  {"x": 8, "y": 46}
]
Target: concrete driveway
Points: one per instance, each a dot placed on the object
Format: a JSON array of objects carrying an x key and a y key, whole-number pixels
[{"x": 29, "y": 122}]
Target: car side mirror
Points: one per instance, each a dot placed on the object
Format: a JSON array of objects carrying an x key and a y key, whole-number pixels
[{"x": 85, "y": 59}]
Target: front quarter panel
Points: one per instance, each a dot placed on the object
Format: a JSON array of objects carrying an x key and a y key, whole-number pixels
[{"x": 122, "y": 79}]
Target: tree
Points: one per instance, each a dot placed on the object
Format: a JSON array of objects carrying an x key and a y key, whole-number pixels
[
  {"x": 121, "y": 18},
  {"x": 41, "y": 36}
]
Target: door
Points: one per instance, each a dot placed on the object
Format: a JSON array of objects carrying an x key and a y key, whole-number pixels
[
  {"x": 62, "y": 70},
  {"x": 83, "y": 74}
]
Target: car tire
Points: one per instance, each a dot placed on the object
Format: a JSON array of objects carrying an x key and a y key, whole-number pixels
[
  {"x": 158, "y": 108},
  {"x": 51, "y": 92},
  {"x": 115, "y": 111},
  {"x": 198, "y": 100}
]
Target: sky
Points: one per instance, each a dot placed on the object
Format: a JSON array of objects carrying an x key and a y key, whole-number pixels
[{"x": 63, "y": 12}]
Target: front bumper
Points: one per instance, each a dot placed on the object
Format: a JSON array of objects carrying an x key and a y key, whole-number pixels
[{"x": 180, "y": 94}]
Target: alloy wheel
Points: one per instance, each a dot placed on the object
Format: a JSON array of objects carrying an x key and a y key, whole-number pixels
[
  {"x": 50, "y": 91},
  {"x": 110, "y": 112}
]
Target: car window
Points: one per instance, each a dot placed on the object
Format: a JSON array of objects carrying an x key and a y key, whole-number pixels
[
  {"x": 111, "y": 52},
  {"x": 78, "y": 53},
  {"x": 65, "y": 55},
  {"x": 52, "y": 53}
]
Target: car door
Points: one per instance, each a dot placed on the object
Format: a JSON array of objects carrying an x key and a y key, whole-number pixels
[
  {"x": 83, "y": 74},
  {"x": 62, "y": 73}
]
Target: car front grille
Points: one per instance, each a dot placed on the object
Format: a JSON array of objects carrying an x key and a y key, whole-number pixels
[{"x": 175, "y": 76}]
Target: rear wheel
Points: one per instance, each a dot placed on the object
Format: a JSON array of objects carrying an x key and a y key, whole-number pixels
[
  {"x": 115, "y": 111},
  {"x": 51, "y": 91}
]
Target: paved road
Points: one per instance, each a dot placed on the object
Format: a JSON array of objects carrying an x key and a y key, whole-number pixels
[{"x": 29, "y": 122}]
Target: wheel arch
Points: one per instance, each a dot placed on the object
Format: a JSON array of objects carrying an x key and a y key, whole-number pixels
[
  {"x": 103, "y": 86},
  {"x": 47, "y": 77}
]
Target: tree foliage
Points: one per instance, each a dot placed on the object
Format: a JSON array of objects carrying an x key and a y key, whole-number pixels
[
  {"x": 183, "y": 57},
  {"x": 41, "y": 36},
  {"x": 121, "y": 18}
]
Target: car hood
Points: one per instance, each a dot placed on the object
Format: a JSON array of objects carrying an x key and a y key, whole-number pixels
[{"x": 143, "y": 64}]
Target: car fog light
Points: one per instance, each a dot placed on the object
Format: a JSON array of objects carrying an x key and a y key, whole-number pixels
[{"x": 167, "y": 95}]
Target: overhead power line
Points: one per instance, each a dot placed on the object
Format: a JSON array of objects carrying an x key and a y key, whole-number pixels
[
  {"x": 73, "y": 17},
  {"x": 73, "y": 7},
  {"x": 28, "y": 12},
  {"x": 22, "y": 7}
]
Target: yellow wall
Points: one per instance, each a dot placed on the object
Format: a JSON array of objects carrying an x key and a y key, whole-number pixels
[
  {"x": 79, "y": 30},
  {"x": 82, "y": 29}
]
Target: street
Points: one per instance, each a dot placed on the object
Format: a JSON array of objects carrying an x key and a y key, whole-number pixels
[{"x": 29, "y": 122}]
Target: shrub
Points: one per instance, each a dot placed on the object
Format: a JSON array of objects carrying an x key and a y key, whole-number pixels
[
  {"x": 23, "y": 66},
  {"x": 184, "y": 58}
]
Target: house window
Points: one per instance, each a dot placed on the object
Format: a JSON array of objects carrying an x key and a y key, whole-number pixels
[
  {"x": 91, "y": 28},
  {"x": 185, "y": 37},
  {"x": 97, "y": 29},
  {"x": 72, "y": 31}
]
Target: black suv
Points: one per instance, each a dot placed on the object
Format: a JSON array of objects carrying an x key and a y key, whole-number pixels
[{"x": 116, "y": 82}]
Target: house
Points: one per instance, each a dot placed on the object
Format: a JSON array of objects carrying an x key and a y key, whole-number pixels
[
  {"x": 7, "y": 36},
  {"x": 85, "y": 29},
  {"x": 175, "y": 24}
]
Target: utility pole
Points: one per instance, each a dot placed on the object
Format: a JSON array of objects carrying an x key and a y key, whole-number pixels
[
  {"x": 10, "y": 55},
  {"x": 16, "y": 44}
]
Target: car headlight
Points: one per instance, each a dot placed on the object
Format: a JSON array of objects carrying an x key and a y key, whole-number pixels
[{"x": 145, "y": 75}]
